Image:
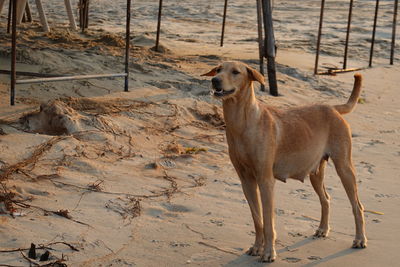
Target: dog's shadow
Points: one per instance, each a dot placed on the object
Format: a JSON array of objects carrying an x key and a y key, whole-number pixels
[{"x": 246, "y": 260}]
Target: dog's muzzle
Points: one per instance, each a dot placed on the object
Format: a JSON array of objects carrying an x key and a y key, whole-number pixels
[
  {"x": 217, "y": 88},
  {"x": 220, "y": 92}
]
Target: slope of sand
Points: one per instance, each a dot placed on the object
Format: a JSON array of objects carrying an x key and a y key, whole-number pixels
[{"x": 143, "y": 178}]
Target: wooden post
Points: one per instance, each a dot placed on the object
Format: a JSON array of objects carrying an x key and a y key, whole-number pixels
[
  {"x": 223, "y": 23},
  {"x": 371, "y": 53},
  {"x": 269, "y": 47},
  {"x": 28, "y": 12},
  {"x": 127, "y": 43},
  {"x": 42, "y": 16},
  {"x": 346, "y": 47},
  {"x": 20, "y": 10},
  {"x": 1, "y": 5},
  {"x": 71, "y": 18},
  {"x": 83, "y": 14},
  {"x": 158, "y": 24},
  {"x": 87, "y": 13},
  {"x": 396, "y": 3},
  {"x": 80, "y": 8},
  {"x": 260, "y": 39},
  {"x": 321, "y": 19},
  {"x": 13, "y": 52},
  {"x": 9, "y": 18}
]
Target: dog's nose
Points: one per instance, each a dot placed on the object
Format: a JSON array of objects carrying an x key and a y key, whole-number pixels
[{"x": 216, "y": 83}]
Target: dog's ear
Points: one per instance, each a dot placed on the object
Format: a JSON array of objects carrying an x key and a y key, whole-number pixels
[
  {"x": 254, "y": 75},
  {"x": 211, "y": 72}
]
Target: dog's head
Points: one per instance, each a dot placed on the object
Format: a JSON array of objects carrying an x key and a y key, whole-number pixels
[{"x": 231, "y": 77}]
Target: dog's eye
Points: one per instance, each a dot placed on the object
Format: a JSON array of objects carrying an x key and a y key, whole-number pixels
[
  {"x": 218, "y": 70},
  {"x": 235, "y": 72}
]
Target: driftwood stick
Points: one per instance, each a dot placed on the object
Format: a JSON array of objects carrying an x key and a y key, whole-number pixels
[{"x": 335, "y": 71}]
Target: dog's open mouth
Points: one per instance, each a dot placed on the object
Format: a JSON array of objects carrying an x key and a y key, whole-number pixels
[{"x": 220, "y": 92}]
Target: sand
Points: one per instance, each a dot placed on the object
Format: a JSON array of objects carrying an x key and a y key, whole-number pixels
[{"x": 143, "y": 178}]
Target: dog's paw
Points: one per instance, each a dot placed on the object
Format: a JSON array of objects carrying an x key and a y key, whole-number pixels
[
  {"x": 255, "y": 250},
  {"x": 269, "y": 256},
  {"x": 360, "y": 243},
  {"x": 321, "y": 232}
]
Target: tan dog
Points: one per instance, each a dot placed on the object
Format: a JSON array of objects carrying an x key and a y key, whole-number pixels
[{"x": 267, "y": 144}]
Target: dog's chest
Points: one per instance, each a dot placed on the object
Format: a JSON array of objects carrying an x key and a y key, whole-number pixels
[{"x": 242, "y": 149}]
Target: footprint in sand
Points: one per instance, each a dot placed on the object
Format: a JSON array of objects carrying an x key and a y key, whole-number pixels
[
  {"x": 302, "y": 193},
  {"x": 176, "y": 207},
  {"x": 375, "y": 142},
  {"x": 178, "y": 244},
  {"x": 217, "y": 222},
  {"x": 368, "y": 166},
  {"x": 291, "y": 259},
  {"x": 314, "y": 258}
]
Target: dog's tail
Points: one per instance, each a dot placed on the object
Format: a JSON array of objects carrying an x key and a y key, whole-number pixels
[{"x": 355, "y": 94}]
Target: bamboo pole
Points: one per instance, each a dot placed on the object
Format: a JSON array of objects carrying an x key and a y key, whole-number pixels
[
  {"x": 269, "y": 47},
  {"x": 71, "y": 78},
  {"x": 31, "y": 74},
  {"x": 127, "y": 44},
  {"x": 371, "y": 53},
  {"x": 159, "y": 24},
  {"x": 42, "y": 16},
  {"x": 396, "y": 3},
  {"x": 260, "y": 39},
  {"x": 321, "y": 19},
  {"x": 71, "y": 18},
  {"x": 346, "y": 46},
  {"x": 223, "y": 23}
]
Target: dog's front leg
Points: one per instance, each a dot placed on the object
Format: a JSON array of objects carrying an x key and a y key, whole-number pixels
[
  {"x": 252, "y": 194},
  {"x": 266, "y": 185}
]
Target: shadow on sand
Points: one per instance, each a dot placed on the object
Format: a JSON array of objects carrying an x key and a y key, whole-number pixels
[{"x": 246, "y": 260}]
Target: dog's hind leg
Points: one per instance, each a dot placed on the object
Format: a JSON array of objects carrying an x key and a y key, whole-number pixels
[
  {"x": 252, "y": 194},
  {"x": 345, "y": 170},
  {"x": 317, "y": 181}
]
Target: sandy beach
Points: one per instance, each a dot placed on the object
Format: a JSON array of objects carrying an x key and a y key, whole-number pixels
[{"x": 102, "y": 177}]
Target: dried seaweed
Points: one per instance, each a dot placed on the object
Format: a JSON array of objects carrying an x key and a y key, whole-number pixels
[{"x": 7, "y": 197}]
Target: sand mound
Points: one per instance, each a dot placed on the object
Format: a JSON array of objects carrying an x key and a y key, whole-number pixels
[
  {"x": 111, "y": 40},
  {"x": 63, "y": 37},
  {"x": 161, "y": 49},
  {"x": 54, "y": 118}
]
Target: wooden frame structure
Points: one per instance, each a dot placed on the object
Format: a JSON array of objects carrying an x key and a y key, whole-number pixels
[
  {"x": 54, "y": 78},
  {"x": 266, "y": 45},
  {"x": 345, "y": 69}
]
